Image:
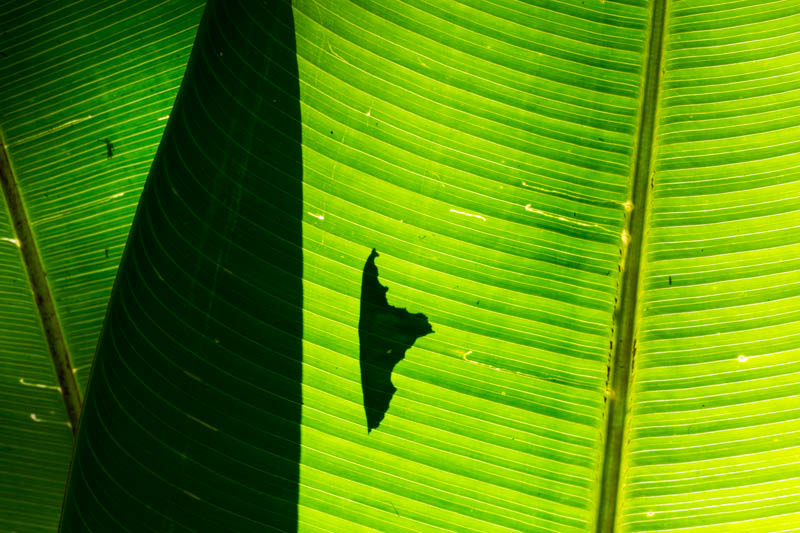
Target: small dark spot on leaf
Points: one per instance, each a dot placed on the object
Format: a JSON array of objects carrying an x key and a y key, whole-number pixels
[
  {"x": 670, "y": 280},
  {"x": 331, "y": 132},
  {"x": 109, "y": 148},
  {"x": 106, "y": 252},
  {"x": 3, "y": 54}
]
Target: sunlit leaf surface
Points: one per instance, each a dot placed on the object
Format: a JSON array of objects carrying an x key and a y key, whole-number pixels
[
  {"x": 715, "y": 425},
  {"x": 375, "y": 278},
  {"x": 486, "y": 156}
]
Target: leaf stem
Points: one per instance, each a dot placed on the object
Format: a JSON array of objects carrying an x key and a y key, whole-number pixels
[
  {"x": 625, "y": 342},
  {"x": 41, "y": 291}
]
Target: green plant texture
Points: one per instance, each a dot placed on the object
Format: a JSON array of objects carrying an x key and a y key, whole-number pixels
[{"x": 400, "y": 265}]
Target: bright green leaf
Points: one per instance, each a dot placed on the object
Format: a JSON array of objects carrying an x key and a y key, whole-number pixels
[{"x": 594, "y": 204}]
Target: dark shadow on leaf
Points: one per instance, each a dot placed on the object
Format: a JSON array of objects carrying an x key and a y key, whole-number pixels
[
  {"x": 192, "y": 418},
  {"x": 385, "y": 334}
]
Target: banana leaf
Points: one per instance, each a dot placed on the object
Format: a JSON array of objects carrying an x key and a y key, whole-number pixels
[
  {"x": 409, "y": 266},
  {"x": 85, "y": 91}
]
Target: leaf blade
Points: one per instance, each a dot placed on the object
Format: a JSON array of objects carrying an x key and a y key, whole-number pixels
[{"x": 711, "y": 435}]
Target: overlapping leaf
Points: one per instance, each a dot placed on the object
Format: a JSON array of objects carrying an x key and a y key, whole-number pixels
[{"x": 86, "y": 88}]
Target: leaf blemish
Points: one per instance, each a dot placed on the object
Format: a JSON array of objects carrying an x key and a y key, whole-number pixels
[
  {"x": 109, "y": 148},
  {"x": 468, "y": 214}
]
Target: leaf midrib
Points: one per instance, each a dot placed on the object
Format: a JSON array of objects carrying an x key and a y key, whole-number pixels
[
  {"x": 631, "y": 261},
  {"x": 42, "y": 296}
]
